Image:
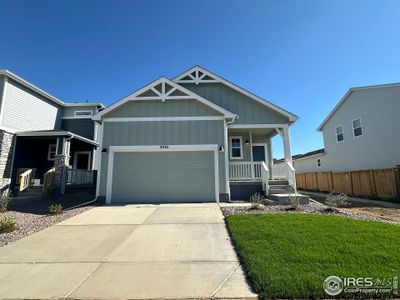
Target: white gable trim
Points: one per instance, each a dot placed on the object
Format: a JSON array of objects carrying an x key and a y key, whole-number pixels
[
  {"x": 162, "y": 96},
  {"x": 216, "y": 79},
  {"x": 348, "y": 94}
]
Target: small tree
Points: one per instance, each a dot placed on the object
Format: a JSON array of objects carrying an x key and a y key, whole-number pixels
[
  {"x": 333, "y": 201},
  {"x": 256, "y": 200}
]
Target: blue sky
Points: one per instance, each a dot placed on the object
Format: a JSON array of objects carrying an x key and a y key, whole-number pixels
[{"x": 301, "y": 55}]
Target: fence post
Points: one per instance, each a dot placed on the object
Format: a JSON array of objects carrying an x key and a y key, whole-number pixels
[
  {"x": 373, "y": 184},
  {"x": 351, "y": 183},
  {"x": 396, "y": 172}
]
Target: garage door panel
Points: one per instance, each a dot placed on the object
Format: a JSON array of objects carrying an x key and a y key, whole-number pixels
[{"x": 154, "y": 177}]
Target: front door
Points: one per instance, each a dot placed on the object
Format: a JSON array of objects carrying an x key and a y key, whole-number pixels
[
  {"x": 259, "y": 153},
  {"x": 82, "y": 160}
]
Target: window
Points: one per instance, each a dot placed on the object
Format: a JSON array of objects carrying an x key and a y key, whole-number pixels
[
  {"x": 52, "y": 152},
  {"x": 83, "y": 113},
  {"x": 319, "y": 162},
  {"x": 357, "y": 127},
  {"x": 236, "y": 147},
  {"x": 339, "y": 134}
]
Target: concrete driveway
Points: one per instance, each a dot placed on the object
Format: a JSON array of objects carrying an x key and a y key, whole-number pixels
[{"x": 119, "y": 252}]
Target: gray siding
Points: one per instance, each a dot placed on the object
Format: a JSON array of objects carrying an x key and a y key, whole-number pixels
[
  {"x": 83, "y": 127},
  {"x": 379, "y": 146},
  {"x": 25, "y": 110},
  {"x": 169, "y": 108},
  {"x": 249, "y": 110},
  {"x": 309, "y": 164},
  {"x": 152, "y": 177},
  {"x": 162, "y": 133},
  {"x": 69, "y": 111},
  {"x": 257, "y": 138}
]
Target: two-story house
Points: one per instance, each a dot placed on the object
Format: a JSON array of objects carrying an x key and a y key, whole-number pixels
[
  {"x": 362, "y": 132},
  {"x": 35, "y": 127}
]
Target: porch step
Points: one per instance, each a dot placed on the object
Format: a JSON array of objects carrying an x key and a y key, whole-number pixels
[
  {"x": 278, "y": 182},
  {"x": 283, "y": 199}
]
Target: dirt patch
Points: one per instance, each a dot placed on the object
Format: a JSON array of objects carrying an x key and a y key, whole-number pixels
[{"x": 390, "y": 214}]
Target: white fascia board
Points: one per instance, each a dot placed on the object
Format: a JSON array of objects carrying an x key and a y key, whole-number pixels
[
  {"x": 191, "y": 95},
  {"x": 91, "y": 104},
  {"x": 58, "y": 133},
  {"x": 31, "y": 86},
  {"x": 292, "y": 117},
  {"x": 256, "y": 126}
]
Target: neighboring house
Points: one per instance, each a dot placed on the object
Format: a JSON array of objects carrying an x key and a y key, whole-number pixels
[
  {"x": 36, "y": 128},
  {"x": 361, "y": 132},
  {"x": 195, "y": 138}
]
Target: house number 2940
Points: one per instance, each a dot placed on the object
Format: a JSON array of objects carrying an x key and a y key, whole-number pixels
[{"x": 164, "y": 147}]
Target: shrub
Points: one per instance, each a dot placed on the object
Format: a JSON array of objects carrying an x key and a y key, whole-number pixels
[
  {"x": 255, "y": 200},
  {"x": 55, "y": 209},
  {"x": 4, "y": 201},
  {"x": 294, "y": 201},
  {"x": 333, "y": 201},
  {"x": 7, "y": 225}
]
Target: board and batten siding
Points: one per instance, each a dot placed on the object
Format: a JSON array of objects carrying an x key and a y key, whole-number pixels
[
  {"x": 82, "y": 127},
  {"x": 249, "y": 110},
  {"x": 162, "y": 133},
  {"x": 25, "y": 110},
  {"x": 1, "y": 88},
  {"x": 169, "y": 108},
  {"x": 379, "y": 146}
]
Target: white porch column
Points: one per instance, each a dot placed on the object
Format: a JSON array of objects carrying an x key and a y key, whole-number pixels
[
  {"x": 251, "y": 155},
  {"x": 286, "y": 144},
  {"x": 226, "y": 153}
]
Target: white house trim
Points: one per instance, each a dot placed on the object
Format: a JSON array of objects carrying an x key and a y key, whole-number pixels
[
  {"x": 160, "y": 119},
  {"x": 257, "y": 126},
  {"x": 218, "y": 79},
  {"x": 230, "y": 147},
  {"x": 163, "y": 96},
  {"x": 226, "y": 159},
  {"x": 3, "y": 99},
  {"x": 87, "y": 113},
  {"x": 99, "y": 150},
  {"x": 361, "y": 126},
  {"x": 160, "y": 148},
  {"x": 78, "y": 117},
  {"x": 336, "y": 134},
  {"x": 82, "y": 152}
]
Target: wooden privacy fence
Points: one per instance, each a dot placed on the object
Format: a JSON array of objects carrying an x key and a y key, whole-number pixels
[{"x": 382, "y": 183}]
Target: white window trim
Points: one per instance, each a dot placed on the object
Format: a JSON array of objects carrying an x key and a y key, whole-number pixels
[
  {"x": 160, "y": 148},
  {"x": 361, "y": 126},
  {"x": 48, "y": 151},
  {"x": 83, "y": 152},
  {"x": 230, "y": 147},
  {"x": 336, "y": 134},
  {"x": 83, "y": 111}
]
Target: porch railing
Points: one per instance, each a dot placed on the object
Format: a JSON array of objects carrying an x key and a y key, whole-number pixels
[
  {"x": 285, "y": 171},
  {"x": 25, "y": 179},
  {"x": 48, "y": 181},
  {"x": 265, "y": 177},
  {"x": 79, "y": 177},
  {"x": 245, "y": 170}
]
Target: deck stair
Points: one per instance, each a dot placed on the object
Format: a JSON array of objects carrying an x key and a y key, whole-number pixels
[{"x": 280, "y": 191}]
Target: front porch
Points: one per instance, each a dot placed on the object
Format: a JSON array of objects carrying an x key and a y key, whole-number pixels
[
  {"x": 250, "y": 161},
  {"x": 37, "y": 154}
]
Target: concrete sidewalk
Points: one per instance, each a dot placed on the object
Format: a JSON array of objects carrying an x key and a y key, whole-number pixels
[{"x": 119, "y": 252}]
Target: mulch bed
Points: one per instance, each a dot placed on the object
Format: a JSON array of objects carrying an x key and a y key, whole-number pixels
[{"x": 313, "y": 207}]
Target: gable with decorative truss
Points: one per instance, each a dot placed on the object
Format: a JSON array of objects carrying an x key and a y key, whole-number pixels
[
  {"x": 194, "y": 77},
  {"x": 165, "y": 90}
]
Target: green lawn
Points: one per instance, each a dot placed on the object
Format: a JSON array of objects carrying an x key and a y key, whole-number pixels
[{"x": 290, "y": 255}]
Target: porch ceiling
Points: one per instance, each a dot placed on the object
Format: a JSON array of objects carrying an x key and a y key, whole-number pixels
[{"x": 267, "y": 131}]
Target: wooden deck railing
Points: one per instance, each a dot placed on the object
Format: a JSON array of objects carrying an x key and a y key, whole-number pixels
[
  {"x": 26, "y": 178},
  {"x": 79, "y": 177},
  {"x": 48, "y": 181}
]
